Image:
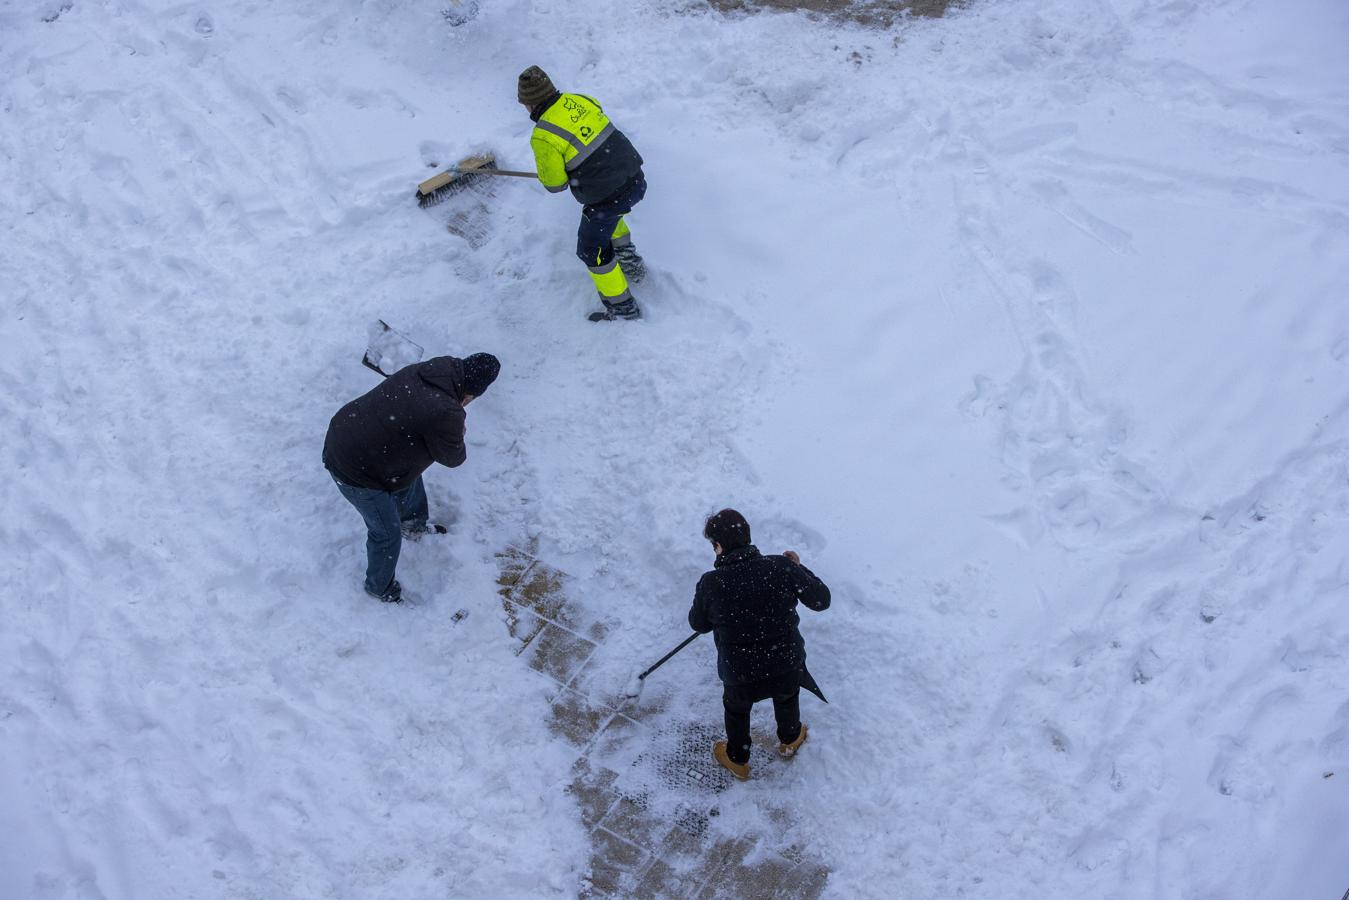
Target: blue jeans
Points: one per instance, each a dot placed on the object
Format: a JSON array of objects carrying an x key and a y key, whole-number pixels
[
  {"x": 595, "y": 236},
  {"x": 385, "y": 513}
]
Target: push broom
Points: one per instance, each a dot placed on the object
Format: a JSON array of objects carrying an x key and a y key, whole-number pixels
[{"x": 454, "y": 179}]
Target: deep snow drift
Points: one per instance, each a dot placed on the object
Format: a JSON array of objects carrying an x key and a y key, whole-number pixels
[{"x": 1026, "y": 327}]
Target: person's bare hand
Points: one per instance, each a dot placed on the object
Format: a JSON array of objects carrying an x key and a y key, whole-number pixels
[{"x": 791, "y": 554}]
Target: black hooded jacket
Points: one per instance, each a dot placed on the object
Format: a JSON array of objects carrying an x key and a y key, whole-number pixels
[
  {"x": 384, "y": 439},
  {"x": 748, "y": 602}
]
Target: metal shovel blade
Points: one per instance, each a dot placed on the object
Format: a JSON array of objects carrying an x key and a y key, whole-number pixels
[{"x": 388, "y": 351}]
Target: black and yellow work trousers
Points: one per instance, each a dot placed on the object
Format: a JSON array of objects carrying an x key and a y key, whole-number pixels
[{"x": 602, "y": 229}]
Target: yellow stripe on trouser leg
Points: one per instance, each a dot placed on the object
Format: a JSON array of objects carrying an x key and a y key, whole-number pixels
[
  {"x": 621, "y": 234},
  {"x": 610, "y": 282}
]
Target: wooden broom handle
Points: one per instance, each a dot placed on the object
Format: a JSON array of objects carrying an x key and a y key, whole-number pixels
[
  {"x": 438, "y": 181},
  {"x": 495, "y": 172}
]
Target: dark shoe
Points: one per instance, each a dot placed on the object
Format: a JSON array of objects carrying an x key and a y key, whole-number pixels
[
  {"x": 626, "y": 309},
  {"x": 414, "y": 531},
  {"x": 739, "y": 770},
  {"x": 633, "y": 266},
  {"x": 393, "y": 594},
  {"x": 787, "y": 751}
]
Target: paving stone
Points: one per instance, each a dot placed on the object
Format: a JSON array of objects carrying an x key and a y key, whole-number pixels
[
  {"x": 661, "y": 881},
  {"x": 632, "y": 820},
  {"x": 522, "y": 624},
  {"x": 542, "y": 590},
  {"x": 806, "y": 882},
  {"x": 593, "y": 788},
  {"x": 617, "y": 851},
  {"x": 718, "y": 859},
  {"x": 648, "y": 706},
  {"x": 691, "y": 823},
  {"x": 619, "y": 744},
  {"x": 688, "y": 850},
  {"x": 514, "y": 562},
  {"x": 600, "y": 690},
  {"x": 615, "y": 866},
  {"x": 559, "y": 654},
  {"x": 688, "y": 841},
  {"x": 577, "y": 718},
  {"x": 599, "y": 629},
  {"x": 765, "y": 878}
]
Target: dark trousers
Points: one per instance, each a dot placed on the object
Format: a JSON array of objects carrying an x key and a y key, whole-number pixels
[
  {"x": 595, "y": 236},
  {"x": 385, "y": 513},
  {"x": 739, "y": 699}
]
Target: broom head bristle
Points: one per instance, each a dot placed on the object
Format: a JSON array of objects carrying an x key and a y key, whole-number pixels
[{"x": 453, "y": 180}]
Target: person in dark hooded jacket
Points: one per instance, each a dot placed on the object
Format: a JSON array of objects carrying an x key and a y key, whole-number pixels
[
  {"x": 748, "y": 602},
  {"x": 379, "y": 444}
]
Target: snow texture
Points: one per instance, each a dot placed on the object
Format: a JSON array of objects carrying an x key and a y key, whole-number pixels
[{"x": 1027, "y": 327}]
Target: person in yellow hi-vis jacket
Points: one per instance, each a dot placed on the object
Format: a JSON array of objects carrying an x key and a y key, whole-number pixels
[{"x": 576, "y": 146}]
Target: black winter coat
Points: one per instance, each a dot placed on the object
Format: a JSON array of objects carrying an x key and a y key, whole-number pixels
[
  {"x": 748, "y": 602},
  {"x": 384, "y": 439}
]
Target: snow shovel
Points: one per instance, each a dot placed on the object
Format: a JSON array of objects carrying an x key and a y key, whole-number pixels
[
  {"x": 454, "y": 179},
  {"x": 388, "y": 351}
]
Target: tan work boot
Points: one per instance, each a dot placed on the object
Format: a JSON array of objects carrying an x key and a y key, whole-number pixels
[
  {"x": 739, "y": 770},
  {"x": 787, "y": 751}
]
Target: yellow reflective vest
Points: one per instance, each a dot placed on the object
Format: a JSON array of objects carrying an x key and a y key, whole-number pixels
[{"x": 575, "y": 145}]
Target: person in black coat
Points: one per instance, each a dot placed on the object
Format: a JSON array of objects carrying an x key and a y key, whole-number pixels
[
  {"x": 379, "y": 444},
  {"x": 748, "y": 602}
]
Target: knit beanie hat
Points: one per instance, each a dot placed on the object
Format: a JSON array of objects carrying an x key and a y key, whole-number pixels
[
  {"x": 535, "y": 87},
  {"x": 480, "y": 370},
  {"x": 727, "y": 528}
]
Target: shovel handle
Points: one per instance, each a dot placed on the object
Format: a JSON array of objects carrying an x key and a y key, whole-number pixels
[{"x": 660, "y": 662}]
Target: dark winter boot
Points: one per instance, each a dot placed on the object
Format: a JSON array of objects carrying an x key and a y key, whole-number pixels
[
  {"x": 413, "y": 531},
  {"x": 632, "y": 264},
  {"x": 625, "y": 309},
  {"x": 392, "y": 594}
]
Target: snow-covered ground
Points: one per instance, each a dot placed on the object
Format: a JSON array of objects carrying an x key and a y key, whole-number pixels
[{"x": 1027, "y": 327}]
